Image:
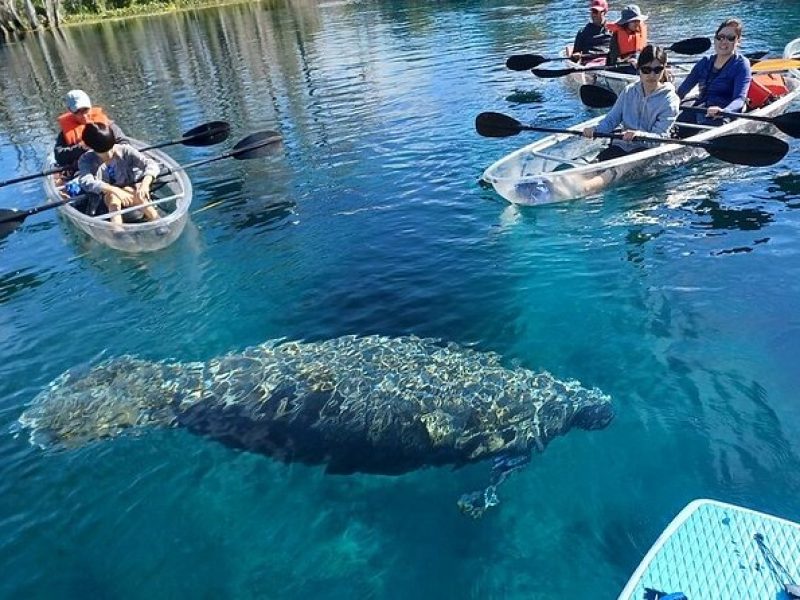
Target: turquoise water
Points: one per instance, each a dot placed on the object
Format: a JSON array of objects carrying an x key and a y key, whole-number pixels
[{"x": 677, "y": 296}]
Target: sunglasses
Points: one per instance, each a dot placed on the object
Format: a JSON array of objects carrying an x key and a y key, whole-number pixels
[
  {"x": 597, "y": 10},
  {"x": 645, "y": 70},
  {"x": 720, "y": 37}
]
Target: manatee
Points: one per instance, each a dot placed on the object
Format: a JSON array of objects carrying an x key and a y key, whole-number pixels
[{"x": 353, "y": 404}]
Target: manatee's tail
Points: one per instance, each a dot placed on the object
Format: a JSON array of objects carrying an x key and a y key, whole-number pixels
[{"x": 115, "y": 396}]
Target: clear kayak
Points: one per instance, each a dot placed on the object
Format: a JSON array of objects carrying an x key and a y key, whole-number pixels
[
  {"x": 172, "y": 200},
  {"x": 559, "y": 167}
]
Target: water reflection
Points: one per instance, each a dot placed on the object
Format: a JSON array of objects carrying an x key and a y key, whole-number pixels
[{"x": 787, "y": 189}]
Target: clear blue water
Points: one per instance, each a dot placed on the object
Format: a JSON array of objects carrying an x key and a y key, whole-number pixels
[{"x": 677, "y": 296}]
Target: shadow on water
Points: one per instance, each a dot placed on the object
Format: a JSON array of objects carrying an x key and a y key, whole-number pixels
[
  {"x": 12, "y": 284},
  {"x": 525, "y": 97},
  {"x": 712, "y": 215}
]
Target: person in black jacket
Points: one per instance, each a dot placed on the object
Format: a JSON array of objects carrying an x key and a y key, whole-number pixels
[{"x": 594, "y": 38}]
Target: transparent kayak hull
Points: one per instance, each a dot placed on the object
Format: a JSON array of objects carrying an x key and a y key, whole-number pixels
[
  {"x": 557, "y": 167},
  {"x": 146, "y": 236}
]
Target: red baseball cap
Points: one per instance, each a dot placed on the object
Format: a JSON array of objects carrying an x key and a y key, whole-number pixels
[{"x": 599, "y": 5}]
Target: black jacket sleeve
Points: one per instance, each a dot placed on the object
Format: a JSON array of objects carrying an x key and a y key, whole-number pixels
[{"x": 67, "y": 156}]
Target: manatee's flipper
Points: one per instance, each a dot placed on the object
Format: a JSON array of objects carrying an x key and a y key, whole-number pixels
[{"x": 475, "y": 504}]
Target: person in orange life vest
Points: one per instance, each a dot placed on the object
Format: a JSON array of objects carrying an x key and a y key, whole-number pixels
[
  {"x": 69, "y": 146},
  {"x": 594, "y": 38},
  {"x": 117, "y": 176},
  {"x": 628, "y": 35}
]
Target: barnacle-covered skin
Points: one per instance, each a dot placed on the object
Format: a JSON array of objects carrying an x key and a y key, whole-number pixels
[{"x": 354, "y": 404}]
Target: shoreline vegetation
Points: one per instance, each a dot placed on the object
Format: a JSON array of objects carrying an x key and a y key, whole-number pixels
[
  {"x": 20, "y": 17},
  {"x": 143, "y": 10}
]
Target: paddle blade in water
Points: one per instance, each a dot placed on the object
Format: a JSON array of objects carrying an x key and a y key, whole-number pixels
[
  {"x": 788, "y": 123},
  {"x": 493, "y": 124},
  {"x": 595, "y": 96},
  {"x": 696, "y": 45},
  {"x": 752, "y": 149},
  {"x": 524, "y": 62},
  {"x": 10, "y": 219},
  {"x": 207, "y": 134},
  {"x": 255, "y": 145}
]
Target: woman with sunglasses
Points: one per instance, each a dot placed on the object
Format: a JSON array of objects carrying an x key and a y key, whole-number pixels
[
  {"x": 723, "y": 79},
  {"x": 649, "y": 106}
]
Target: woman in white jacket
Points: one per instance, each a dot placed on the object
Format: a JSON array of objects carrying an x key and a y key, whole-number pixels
[{"x": 648, "y": 106}]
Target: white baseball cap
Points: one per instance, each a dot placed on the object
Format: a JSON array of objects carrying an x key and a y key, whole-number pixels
[{"x": 77, "y": 99}]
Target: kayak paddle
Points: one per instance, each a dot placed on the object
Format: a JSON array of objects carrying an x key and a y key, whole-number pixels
[
  {"x": 752, "y": 149},
  {"x": 207, "y": 134},
  {"x": 524, "y": 62},
  {"x": 556, "y": 73},
  {"x": 788, "y": 123},
  {"x": 253, "y": 146}
]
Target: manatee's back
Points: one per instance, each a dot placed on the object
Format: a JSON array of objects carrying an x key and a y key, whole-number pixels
[{"x": 370, "y": 404}]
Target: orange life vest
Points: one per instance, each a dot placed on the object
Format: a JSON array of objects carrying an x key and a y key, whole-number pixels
[
  {"x": 765, "y": 88},
  {"x": 629, "y": 42},
  {"x": 73, "y": 129}
]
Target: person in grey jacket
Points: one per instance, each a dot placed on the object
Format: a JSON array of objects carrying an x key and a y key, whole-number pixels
[
  {"x": 648, "y": 106},
  {"x": 118, "y": 172}
]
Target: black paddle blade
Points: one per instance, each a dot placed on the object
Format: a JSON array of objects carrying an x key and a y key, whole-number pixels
[
  {"x": 751, "y": 149},
  {"x": 554, "y": 73},
  {"x": 10, "y": 220},
  {"x": 524, "y": 62},
  {"x": 788, "y": 123},
  {"x": 595, "y": 96},
  {"x": 207, "y": 134},
  {"x": 493, "y": 124},
  {"x": 696, "y": 45},
  {"x": 255, "y": 145}
]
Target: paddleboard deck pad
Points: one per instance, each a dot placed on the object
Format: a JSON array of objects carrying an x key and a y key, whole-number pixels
[{"x": 714, "y": 551}]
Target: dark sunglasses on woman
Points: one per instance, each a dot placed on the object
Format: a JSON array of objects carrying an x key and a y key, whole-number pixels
[
  {"x": 647, "y": 70},
  {"x": 719, "y": 37}
]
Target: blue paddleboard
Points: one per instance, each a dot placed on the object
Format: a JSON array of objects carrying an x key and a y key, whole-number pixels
[{"x": 716, "y": 551}]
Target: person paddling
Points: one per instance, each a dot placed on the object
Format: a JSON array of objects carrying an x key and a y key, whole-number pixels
[
  {"x": 723, "y": 79},
  {"x": 628, "y": 35},
  {"x": 593, "y": 38},
  {"x": 69, "y": 146},
  {"x": 649, "y": 105},
  {"x": 112, "y": 170}
]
